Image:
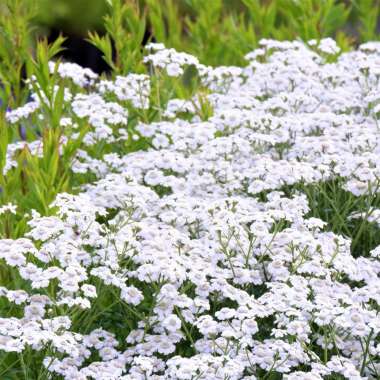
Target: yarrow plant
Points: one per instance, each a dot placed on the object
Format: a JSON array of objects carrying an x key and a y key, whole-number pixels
[{"x": 225, "y": 229}]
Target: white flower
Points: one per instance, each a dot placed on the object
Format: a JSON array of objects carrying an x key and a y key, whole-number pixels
[
  {"x": 9, "y": 207},
  {"x": 174, "y": 69},
  {"x": 132, "y": 295},
  {"x": 165, "y": 347},
  {"x": 89, "y": 290},
  {"x": 207, "y": 326},
  {"x": 171, "y": 323}
]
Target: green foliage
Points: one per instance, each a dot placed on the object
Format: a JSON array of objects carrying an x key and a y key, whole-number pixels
[
  {"x": 313, "y": 19},
  {"x": 36, "y": 180},
  {"x": 212, "y": 42},
  {"x": 221, "y": 31},
  {"x": 15, "y": 43},
  {"x": 262, "y": 16},
  {"x": 125, "y": 27},
  {"x": 46, "y": 85},
  {"x": 368, "y": 14},
  {"x": 4, "y": 140},
  {"x": 73, "y": 16},
  {"x": 166, "y": 21}
]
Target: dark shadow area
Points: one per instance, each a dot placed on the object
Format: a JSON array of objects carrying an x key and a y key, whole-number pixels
[{"x": 79, "y": 50}]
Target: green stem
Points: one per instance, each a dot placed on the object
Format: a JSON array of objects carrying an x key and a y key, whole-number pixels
[
  {"x": 366, "y": 353},
  {"x": 188, "y": 335}
]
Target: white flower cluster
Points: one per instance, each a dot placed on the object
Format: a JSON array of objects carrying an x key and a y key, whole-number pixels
[
  {"x": 208, "y": 269},
  {"x": 14, "y": 116},
  {"x": 134, "y": 88},
  {"x": 8, "y": 208},
  {"x": 82, "y": 77},
  {"x": 101, "y": 115},
  {"x": 172, "y": 61}
]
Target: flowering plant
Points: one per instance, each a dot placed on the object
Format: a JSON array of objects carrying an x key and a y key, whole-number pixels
[
  {"x": 186, "y": 221},
  {"x": 234, "y": 246}
]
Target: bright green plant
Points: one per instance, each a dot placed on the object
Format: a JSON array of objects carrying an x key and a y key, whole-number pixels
[
  {"x": 368, "y": 15},
  {"x": 313, "y": 19},
  {"x": 121, "y": 46},
  {"x": 15, "y": 50},
  {"x": 166, "y": 21},
  {"x": 36, "y": 179},
  {"x": 263, "y": 17}
]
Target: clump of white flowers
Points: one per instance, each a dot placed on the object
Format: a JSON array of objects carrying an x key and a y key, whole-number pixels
[
  {"x": 224, "y": 275},
  {"x": 134, "y": 88}
]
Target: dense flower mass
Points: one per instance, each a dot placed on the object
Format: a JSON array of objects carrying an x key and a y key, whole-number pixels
[{"x": 203, "y": 257}]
